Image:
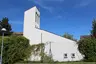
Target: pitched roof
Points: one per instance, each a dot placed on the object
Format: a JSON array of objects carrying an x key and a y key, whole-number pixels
[{"x": 18, "y": 33}]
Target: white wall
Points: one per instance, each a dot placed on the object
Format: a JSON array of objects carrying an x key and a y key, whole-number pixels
[
  {"x": 30, "y": 22},
  {"x": 59, "y": 46}
]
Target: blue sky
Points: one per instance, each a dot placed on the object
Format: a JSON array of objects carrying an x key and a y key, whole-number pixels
[{"x": 57, "y": 16}]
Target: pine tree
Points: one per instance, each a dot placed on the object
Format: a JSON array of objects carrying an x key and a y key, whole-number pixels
[
  {"x": 93, "y": 31},
  {"x": 5, "y": 24}
]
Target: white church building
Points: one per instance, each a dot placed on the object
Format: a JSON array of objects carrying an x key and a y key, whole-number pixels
[{"x": 62, "y": 49}]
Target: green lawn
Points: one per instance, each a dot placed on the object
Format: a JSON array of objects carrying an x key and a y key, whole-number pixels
[{"x": 62, "y": 63}]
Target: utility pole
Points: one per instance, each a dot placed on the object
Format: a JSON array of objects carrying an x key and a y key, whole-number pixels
[
  {"x": 50, "y": 51},
  {"x": 41, "y": 50}
]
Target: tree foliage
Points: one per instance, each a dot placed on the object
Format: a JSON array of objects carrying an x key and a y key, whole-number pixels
[
  {"x": 69, "y": 36},
  {"x": 87, "y": 47},
  {"x": 39, "y": 50},
  {"x": 5, "y": 24},
  {"x": 93, "y": 31},
  {"x": 16, "y": 48}
]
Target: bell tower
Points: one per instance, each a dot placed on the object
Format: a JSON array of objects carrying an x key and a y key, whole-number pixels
[
  {"x": 32, "y": 18},
  {"x": 31, "y": 21}
]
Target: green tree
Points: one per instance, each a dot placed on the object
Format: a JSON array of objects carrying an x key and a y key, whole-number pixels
[
  {"x": 93, "y": 31},
  {"x": 16, "y": 48},
  {"x": 5, "y": 24},
  {"x": 87, "y": 47},
  {"x": 69, "y": 36}
]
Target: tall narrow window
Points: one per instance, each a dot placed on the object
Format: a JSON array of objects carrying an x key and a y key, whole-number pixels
[{"x": 37, "y": 20}]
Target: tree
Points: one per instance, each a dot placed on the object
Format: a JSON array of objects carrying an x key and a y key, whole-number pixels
[
  {"x": 16, "y": 48},
  {"x": 93, "y": 31},
  {"x": 5, "y": 24},
  {"x": 69, "y": 36},
  {"x": 87, "y": 47},
  {"x": 38, "y": 50}
]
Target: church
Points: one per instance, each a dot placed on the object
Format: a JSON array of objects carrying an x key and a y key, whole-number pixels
[{"x": 62, "y": 49}]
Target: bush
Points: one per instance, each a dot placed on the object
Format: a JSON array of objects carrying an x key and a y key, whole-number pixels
[
  {"x": 38, "y": 50},
  {"x": 16, "y": 48},
  {"x": 87, "y": 47}
]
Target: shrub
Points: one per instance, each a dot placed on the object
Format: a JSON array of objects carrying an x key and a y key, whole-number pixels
[
  {"x": 38, "y": 50},
  {"x": 16, "y": 48},
  {"x": 87, "y": 47}
]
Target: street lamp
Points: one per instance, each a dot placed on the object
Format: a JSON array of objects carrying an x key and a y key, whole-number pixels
[{"x": 3, "y": 30}]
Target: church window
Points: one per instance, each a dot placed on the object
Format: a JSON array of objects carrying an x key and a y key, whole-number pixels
[
  {"x": 73, "y": 55},
  {"x": 65, "y": 55}
]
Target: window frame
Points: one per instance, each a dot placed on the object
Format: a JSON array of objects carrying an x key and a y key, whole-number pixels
[
  {"x": 73, "y": 55},
  {"x": 65, "y": 55}
]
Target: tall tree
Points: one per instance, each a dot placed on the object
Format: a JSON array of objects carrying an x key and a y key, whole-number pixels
[
  {"x": 93, "y": 31},
  {"x": 69, "y": 36},
  {"x": 5, "y": 24},
  {"x": 87, "y": 46}
]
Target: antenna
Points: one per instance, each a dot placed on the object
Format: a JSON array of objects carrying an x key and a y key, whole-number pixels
[
  {"x": 42, "y": 50},
  {"x": 50, "y": 51}
]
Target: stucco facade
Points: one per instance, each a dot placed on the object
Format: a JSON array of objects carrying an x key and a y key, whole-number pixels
[{"x": 62, "y": 49}]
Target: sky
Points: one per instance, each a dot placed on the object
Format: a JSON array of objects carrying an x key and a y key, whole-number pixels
[{"x": 57, "y": 16}]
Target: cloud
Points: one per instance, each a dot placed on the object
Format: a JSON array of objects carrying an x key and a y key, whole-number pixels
[
  {"x": 84, "y": 3},
  {"x": 56, "y": 0},
  {"x": 11, "y": 12},
  {"x": 15, "y": 22},
  {"x": 43, "y": 4},
  {"x": 59, "y": 17}
]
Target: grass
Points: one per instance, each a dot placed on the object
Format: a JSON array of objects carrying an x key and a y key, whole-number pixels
[{"x": 62, "y": 63}]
